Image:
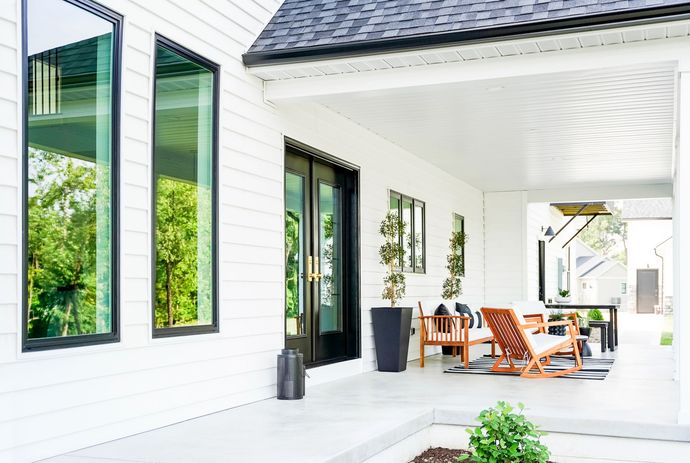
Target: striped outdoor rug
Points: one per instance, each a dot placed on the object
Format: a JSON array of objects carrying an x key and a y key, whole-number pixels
[{"x": 592, "y": 368}]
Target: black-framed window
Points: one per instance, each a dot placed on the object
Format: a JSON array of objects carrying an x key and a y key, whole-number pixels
[
  {"x": 459, "y": 227},
  {"x": 71, "y": 111},
  {"x": 413, "y": 238},
  {"x": 184, "y": 192}
]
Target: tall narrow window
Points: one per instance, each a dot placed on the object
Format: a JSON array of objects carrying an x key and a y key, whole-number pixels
[
  {"x": 412, "y": 239},
  {"x": 70, "y": 166},
  {"x": 184, "y": 162},
  {"x": 459, "y": 227}
]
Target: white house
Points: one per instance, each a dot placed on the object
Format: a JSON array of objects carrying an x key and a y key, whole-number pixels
[
  {"x": 186, "y": 187},
  {"x": 600, "y": 280},
  {"x": 650, "y": 254}
]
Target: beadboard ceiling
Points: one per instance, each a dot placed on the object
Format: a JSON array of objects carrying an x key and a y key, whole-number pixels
[{"x": 603, "y": 127}]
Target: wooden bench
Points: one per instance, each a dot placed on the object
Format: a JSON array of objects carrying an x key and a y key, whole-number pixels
[{"x": 453, "y": 331}]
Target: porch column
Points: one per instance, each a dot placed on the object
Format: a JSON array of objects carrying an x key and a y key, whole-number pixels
[{"x": 681, "y": 244}]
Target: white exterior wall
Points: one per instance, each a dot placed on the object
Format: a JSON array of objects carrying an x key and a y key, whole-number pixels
[
  {"x": 505, "y": 222},
  {"x": 543, "y": 215},
  {"x": 681, "y": 247},
  {"x": 386, "y": 167},
  {"x": 55, "y": 401},
  {"x": 643, "y": 236}
]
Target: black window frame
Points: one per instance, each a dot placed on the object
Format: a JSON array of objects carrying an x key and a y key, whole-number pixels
[
  {"x": 214, "y": 68},
  {"x": 32, "y": 345},
  {"x": 413, "y": 228},
  {"x": 461, "y": 218}
]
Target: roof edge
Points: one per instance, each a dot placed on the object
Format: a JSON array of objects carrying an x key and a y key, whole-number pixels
[{"x": 471, "y": 36}]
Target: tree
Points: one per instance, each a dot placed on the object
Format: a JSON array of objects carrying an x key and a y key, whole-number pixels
[
  {"x": 61, "y": 254},
  {"x": 452, "y": 285},
  {"x": 607, "y": 234},
  {"x": 391, "y": 254},
  {"x": 176, "y": 253}
]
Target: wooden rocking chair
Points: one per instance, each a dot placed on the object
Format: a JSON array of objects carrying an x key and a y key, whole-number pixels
[{"x": 518, "y": 341}]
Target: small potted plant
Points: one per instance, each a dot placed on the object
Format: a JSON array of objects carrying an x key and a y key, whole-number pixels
[
  {"x": 392, "y": 324},
  {"x": 583, "y": 324},
  {"x": 563, "y": 296},
  {"x": 557, "y": 316}
]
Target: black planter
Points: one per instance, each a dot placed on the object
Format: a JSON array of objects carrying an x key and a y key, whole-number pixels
[
  {"x": 557, "y": 330},
  {"x": 391, "y": 336},
  {"x": 584, "y": 330}
]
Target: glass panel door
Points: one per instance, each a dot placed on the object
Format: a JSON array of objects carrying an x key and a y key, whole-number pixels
[
  {"x": 294, "y": 255},
  {"x": 319, "y": 250},
  {"x": 330, "y": 316}
]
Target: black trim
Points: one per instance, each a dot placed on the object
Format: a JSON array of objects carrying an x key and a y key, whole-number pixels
[
  {"x": 470, "y": 36},
  {"x": 462, "y": 230},
  {"x": 309, "y": 151},
  {"x": 542, "y": 270},
  {"x": 30, "y": 345},
  {"x": 351, "y": 324},
  {"x": 413, "y": 249},
  {"x": 215, "y": 70}
]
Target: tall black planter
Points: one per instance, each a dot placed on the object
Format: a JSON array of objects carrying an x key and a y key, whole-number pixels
[{"x": 391, "y": 336}]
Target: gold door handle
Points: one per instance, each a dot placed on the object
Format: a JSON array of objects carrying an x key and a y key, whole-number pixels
[
  {"x": 317, "y": 275},
  {"x": 311, "y": 274}
]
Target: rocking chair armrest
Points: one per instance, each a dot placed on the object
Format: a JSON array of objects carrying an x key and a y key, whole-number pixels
[{"x": 558, "y": 323}]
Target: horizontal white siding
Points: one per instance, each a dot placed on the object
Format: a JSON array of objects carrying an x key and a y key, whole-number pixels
[
  {"x": 55, "y": 401},
  {"x": 505, "y": 252},
  {"x": 384, "y": 167}
]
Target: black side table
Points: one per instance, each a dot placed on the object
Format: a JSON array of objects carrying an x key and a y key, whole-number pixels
[{"x": 606, "y": 333}]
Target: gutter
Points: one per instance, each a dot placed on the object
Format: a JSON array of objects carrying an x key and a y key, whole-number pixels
[
  {"x": 531, "y": 29},
  {"x": 662, "y": 271}
]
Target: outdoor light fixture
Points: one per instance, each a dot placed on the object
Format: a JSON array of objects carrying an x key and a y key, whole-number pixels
[{"x": 549, "y": 231}]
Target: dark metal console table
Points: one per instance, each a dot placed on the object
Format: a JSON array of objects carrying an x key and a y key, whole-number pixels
[{"x": 613, "y": 314}]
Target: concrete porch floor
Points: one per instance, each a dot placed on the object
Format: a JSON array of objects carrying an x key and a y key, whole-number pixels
[{"x": 355, "y": 418}]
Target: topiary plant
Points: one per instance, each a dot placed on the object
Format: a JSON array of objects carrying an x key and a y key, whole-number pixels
[
  {"x": 505, "y": 437},
  {"x": 452, "y": 285},
  {"x": 392, "y": 254}
]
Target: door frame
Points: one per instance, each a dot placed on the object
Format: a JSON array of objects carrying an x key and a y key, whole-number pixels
[{"x": 352, "y": 265}]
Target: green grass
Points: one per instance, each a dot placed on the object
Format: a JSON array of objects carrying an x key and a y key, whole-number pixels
[{"x": 667, "y": 331}]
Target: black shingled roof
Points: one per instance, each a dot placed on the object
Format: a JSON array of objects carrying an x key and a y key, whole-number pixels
[{"x": 303, "y": 29}]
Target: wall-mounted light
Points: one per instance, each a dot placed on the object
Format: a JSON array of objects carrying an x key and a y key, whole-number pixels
[{"x": 549, "y": 232}]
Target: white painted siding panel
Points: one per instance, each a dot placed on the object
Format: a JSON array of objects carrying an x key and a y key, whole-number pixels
[
  {"x": 505, "y": 253},
  {"x": 61, "y": 400}
]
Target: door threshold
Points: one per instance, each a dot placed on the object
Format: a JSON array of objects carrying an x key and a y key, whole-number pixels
[{"x": 322, "y": 363}]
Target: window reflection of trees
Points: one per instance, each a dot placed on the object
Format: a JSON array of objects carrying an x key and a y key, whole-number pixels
[{"x": 63, "y": 272}]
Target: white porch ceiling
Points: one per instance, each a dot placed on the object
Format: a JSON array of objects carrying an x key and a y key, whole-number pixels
[{"x": 599, "y": 127}]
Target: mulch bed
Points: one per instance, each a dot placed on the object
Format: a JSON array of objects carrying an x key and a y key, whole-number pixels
[{"x": 440, "y": 455}]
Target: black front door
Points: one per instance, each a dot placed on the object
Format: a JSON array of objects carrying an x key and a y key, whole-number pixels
[{"x": 320, "y": 309}]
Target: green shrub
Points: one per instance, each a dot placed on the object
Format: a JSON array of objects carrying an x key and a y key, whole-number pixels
[
  {"x": 563, "y": 292},
  {"x": 556, "y": 316},
  {"x": 505, "y": 437},
  {"x": 595, "y": 314}
]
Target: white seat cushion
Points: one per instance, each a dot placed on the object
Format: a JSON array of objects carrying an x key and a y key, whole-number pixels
[
  {"x": 543, "y": 342},
  {"x": 531, "y": 307},
  {"x": 478, "y": 333},
  {"x": 540, "y": 342}
]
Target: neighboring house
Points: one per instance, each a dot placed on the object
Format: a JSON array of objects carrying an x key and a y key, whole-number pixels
[
  {"x": 650, "y": 254},
  {"x": 600, "y": 280},
  {"x": 188, "y": 186}
]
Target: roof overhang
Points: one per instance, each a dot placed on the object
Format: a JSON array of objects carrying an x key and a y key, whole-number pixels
[
  {"x": 474, "y": 36},
  {"x": 581, "y": 115}
]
